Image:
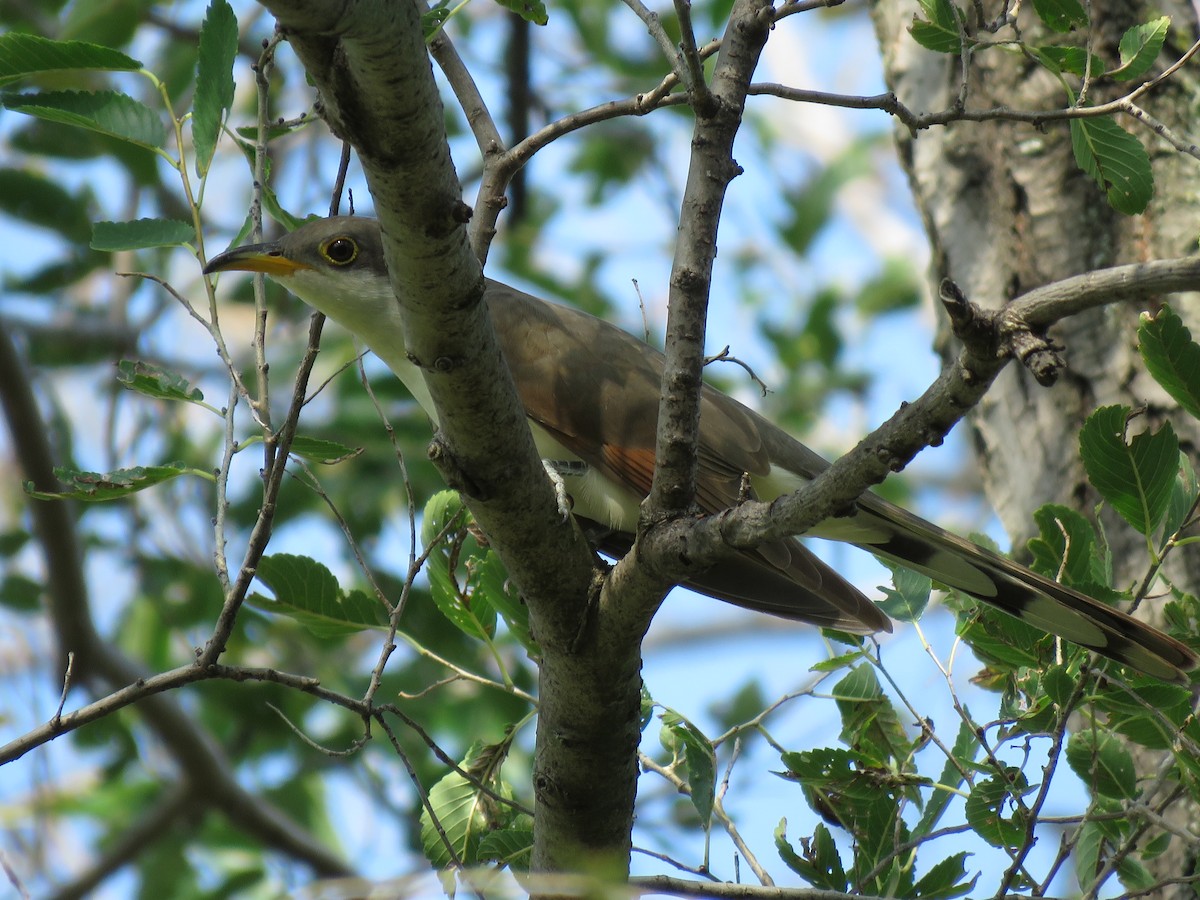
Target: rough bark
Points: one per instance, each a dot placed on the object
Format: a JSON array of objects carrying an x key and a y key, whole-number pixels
[{"x": 1007, "y": 209}]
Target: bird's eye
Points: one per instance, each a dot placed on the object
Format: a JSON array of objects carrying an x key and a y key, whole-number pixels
[{"x": 341, "y": 251}]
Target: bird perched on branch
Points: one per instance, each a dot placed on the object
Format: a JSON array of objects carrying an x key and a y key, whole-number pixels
[{"x": 591, "y": 392}]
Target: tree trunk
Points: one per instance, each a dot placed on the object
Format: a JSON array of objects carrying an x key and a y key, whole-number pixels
[{"x": 1006, "y": 210}]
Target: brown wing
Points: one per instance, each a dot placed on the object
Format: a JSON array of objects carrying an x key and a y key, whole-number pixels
[{"x": 595, "y": 388}]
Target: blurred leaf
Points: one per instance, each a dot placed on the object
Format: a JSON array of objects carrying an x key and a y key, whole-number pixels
[
  {"x": 612, "y": 156},
  {"x": 106, "y": 112},
  {"x": 810, "y": 206},
  {"x": 40, "y": 201},
  {"x": 327, "y": 453},
  {"x": 155, "y": 381},
  {"x": 1171, "y": 357},
  {"x": 897, "y": 287},
  {"x": 1061, "y": 15},
  {"x": 20, "y": 593},
  {"x": 141, "y": 234},
  {"x": 307, "y": 591},
  {"x": 214, "y": 80},
  {"x": 530, "y": 10},
  {"x": 1116, "y": 160},
  {"x": 1103, "y": 763},
  {"x": 25, "y": 54},
  {"x": 1135, "y": 476},
  {"x": 1139, "y": 48},
  {"x": 109, "y": 22},
  {"x": 701, "y": 761},
  {"x": 98, "y": 487}
]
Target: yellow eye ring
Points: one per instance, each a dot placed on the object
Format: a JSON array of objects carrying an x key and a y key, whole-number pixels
[{"x": 340, "y": 250}]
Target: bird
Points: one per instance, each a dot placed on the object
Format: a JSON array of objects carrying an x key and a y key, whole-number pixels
[{"x": 590, "y": 392}]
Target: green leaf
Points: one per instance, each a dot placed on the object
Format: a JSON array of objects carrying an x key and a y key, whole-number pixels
[
  {"x": 1066, "y": 547},
  {"x": 701, "y": 762},
  {"x": 155, "y": 381},
  {"x": 1068, "y": 59},
  {"x": 307, "y": 591},
  {"x": 1116, "y": 160},
  {"x": 20, "y": 593},
  {"x": 1171, "y": 357},
  {"x": 1102, "y": 762},
  {"x": 906, "y": 601},
  {"x": 107, "y": 112},
  {"x": 966, "y": 746},
  {"x": 530, "y": 10},
  {"x": 141, "y": 234},
  {"x": 25, "y": 54},
  {"x": 318, "y": 450},
  {"x": 1139, "y": 48},
  {"x": 945, "y": 880},
  {"x": 1136, "y": 477},
  {"x": 1061, "y": 15},
  {"x": 510, "y": 846},
  {"x": 1183, "y": 497},
  {"x": 491, "y": 578},
  {"x": 821, "y": 866},
  {"x": 464, "y": 605},
  {"x": 991, "y": 811},
  {"x": 214, "y": 80},
  {"x": 939, "y": 30},
  {"x": 42, "y": 201},
  {"x": 459, "y": 807},
  {"x": 98, "y": 487}
]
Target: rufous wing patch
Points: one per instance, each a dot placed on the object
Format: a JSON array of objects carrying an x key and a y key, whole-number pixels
[{"x": 632, "y": 466}]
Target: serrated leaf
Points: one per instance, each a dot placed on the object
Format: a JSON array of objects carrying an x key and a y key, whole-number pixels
[
  {"x": 1183, "y": 497},
  {"x": 939, "y": 30},
  {"x": 1103, "y": 763},
  {"x": 307, "y": 591},
  {"x": 214, "y": 80},
  {"x": 1139, "y": 48},
  {"x": 533, "y": 11},
  {"x": 990, "y": 811},
  {"x": 141, "y": 234},
  {"x": 1061, "y": 15},
  {"x": 107, "y": 112},
  {"x": 907, "y": 599},
  {"x": 1172, "y": 357},
  {"x": 1116, "y": 160},
  {"x": 510, "y": 846},
  {"x": 98, "y": 487},
  {"x": 461, "y": 811},
  {"x": 25, "y": 54},
  {"x": 318, "y": 450},
  {"x": 821, "y": 866},
  {"x": 701, "y": 761},
  {"x": 155, "y": 381},
  {"x": 945, "y": 880},
  {"x": 1065, "y": 548},
  {"x": 1135, "y": 476}
]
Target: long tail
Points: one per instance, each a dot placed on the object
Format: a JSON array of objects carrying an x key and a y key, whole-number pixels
[{"x": 900, "y": 536}]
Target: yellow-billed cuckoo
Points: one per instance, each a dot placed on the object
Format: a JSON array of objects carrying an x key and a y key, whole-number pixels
[{"x": 591, "y": 394}]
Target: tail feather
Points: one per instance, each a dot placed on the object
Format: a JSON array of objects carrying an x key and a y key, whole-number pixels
[{"x": 904, "y": 538}]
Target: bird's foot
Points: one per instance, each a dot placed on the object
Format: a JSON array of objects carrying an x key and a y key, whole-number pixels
[{"x": 557, "y": 470}]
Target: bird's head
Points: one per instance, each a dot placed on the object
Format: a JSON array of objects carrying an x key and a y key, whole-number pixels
[{"x": 335, "y": 265}]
